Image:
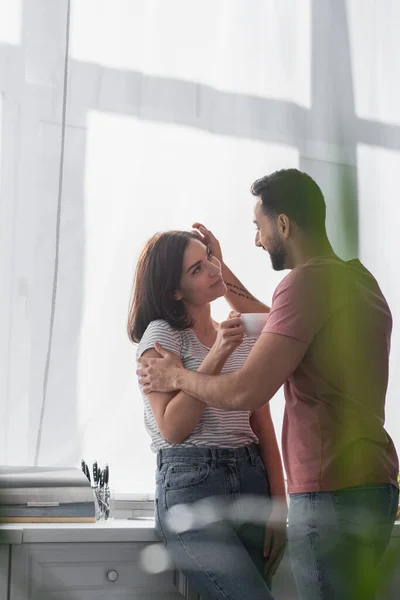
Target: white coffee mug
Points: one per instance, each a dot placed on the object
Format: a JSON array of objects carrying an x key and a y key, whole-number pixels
[{"x": 254, "y": 323}]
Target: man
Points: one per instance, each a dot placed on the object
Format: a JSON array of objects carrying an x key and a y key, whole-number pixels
[{"x": 327, "y": 341}]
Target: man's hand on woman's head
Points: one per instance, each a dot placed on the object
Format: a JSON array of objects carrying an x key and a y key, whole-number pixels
[
  {"x": 209, "y": 239},
  {"x": 158, "y": 374}
]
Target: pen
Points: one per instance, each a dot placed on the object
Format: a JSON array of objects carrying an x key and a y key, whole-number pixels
[
  {"x": 95, "y": 473},
  {"x": 107, "y": 492},
  {"x": 87, "y": 472},
  {"x": 85, "y": 469}
]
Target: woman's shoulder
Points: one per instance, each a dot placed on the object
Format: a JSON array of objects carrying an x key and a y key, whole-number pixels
[
  {"x": 159, "y": 324},
  {"x": 160, "y": 331},
  {"x": 161, "y": 327}
]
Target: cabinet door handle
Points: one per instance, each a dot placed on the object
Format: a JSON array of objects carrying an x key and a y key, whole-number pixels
[{"x": 112, "y": 575}]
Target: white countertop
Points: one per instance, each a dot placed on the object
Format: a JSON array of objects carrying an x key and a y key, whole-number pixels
[{"x": 113, "y": 530}]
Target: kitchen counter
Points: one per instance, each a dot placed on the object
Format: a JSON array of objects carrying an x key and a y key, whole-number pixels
[{"x": 113, "y": 530}]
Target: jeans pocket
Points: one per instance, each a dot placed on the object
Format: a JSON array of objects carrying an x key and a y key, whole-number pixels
[
  {"x": 368, "y": 506},
  {"x": 184, "y": 476}
]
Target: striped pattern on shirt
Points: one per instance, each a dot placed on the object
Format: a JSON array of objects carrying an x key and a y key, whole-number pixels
[{"x": 217, "y": 427}]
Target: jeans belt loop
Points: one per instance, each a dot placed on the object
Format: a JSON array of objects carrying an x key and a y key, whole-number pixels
[
  {"x": 252, "y": 453},
  {"x": 159, "y": 459},
  {"x": 214, "y": 462}
]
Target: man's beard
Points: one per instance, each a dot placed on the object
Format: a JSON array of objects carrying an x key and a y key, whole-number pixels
[{"x": 278, "y": 256}]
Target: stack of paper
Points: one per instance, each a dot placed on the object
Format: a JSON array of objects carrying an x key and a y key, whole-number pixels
[{"x": 45, "y": 494}]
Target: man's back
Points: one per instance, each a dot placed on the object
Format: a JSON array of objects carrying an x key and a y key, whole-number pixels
[{"x": 333, "y": 435}]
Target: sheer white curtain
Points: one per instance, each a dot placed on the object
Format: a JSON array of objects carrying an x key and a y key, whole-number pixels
[{"x": 120, "y": 118}]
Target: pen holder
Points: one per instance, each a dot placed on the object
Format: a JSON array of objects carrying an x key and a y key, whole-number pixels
[
  {"x": 102, "y": 502},
  {"x": 100, "y": 488}
]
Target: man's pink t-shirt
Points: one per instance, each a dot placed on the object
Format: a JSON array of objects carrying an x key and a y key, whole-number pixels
[{"x": 333, "y": 433}]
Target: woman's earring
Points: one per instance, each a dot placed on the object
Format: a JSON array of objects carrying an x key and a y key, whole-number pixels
[{"x": 175, "y": 310}]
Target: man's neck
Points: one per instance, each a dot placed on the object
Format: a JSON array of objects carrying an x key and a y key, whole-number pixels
[{"x": 303, "y": 254}]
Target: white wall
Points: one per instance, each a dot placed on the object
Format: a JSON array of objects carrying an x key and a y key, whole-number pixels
[{"x": 161, "y": 116}]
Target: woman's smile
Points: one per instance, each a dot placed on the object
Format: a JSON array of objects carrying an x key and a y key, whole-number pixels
[{"x": 218, "y": 282}]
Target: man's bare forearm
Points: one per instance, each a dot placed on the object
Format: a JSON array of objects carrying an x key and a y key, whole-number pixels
[
  {"x": 183, "y": 412},
  {"x": 223, "y": 391},
  {"x": 238, "y": 297}
]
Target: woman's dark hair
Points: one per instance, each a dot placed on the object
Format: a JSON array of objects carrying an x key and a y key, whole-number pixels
[
  {"x": 157, "y": 277},
  {"x": 294, "y": 194}
]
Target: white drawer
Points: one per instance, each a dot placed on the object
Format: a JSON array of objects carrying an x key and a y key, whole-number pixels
[{"x": 86, "y": 572}]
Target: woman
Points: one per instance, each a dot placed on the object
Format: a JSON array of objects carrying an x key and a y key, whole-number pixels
[{"x": 213, "y": 467}]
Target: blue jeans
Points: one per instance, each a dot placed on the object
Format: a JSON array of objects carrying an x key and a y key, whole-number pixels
[
  {"x": 203, "y": 500},
  {"x": 336, "y": 540}
]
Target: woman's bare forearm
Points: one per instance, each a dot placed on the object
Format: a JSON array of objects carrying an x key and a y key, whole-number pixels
[
  {"x": 271, "y": 458},
  {"x": 183, "y": 412},
  {"x": 238, "y": 297},
  {"x": 263, "y": 427}
]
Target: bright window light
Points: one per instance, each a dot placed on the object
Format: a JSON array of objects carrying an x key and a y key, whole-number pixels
[
  {"x": 379, "y": 215},
  {"x": 379, "y": 210},
  {"x": 10, "y": 21},
  {"x": 262, "y": 48},
  {"x": 375, "y": 50},
  {"x": 1, "y": 136}
]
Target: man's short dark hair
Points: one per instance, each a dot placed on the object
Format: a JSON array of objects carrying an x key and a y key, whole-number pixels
[{"x": 294, "y": 194}]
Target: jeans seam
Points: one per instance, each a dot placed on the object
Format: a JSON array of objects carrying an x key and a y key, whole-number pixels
[
  {"x": 395, "y": 500},
  {"x": 162, "y": 533},
  {"x": 313, "y": 539},
  {"x": 220, "y": 590}
]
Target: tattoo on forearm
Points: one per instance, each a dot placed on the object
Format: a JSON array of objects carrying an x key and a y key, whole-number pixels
[{"x": 242, "y": 292}]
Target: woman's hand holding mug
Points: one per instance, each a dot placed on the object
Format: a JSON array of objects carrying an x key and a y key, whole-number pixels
[{"x": 230, "y": 335}]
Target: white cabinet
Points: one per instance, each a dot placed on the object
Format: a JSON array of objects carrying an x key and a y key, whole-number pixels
[
  {"x": 102, "y": 561},
  {"x": 4, "y": 566},
  {"x": 86, "y": 571},
  {"x": 107, "y": 571}
]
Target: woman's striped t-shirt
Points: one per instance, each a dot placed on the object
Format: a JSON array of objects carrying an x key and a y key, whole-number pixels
[{"x": 217, "y": 427}]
